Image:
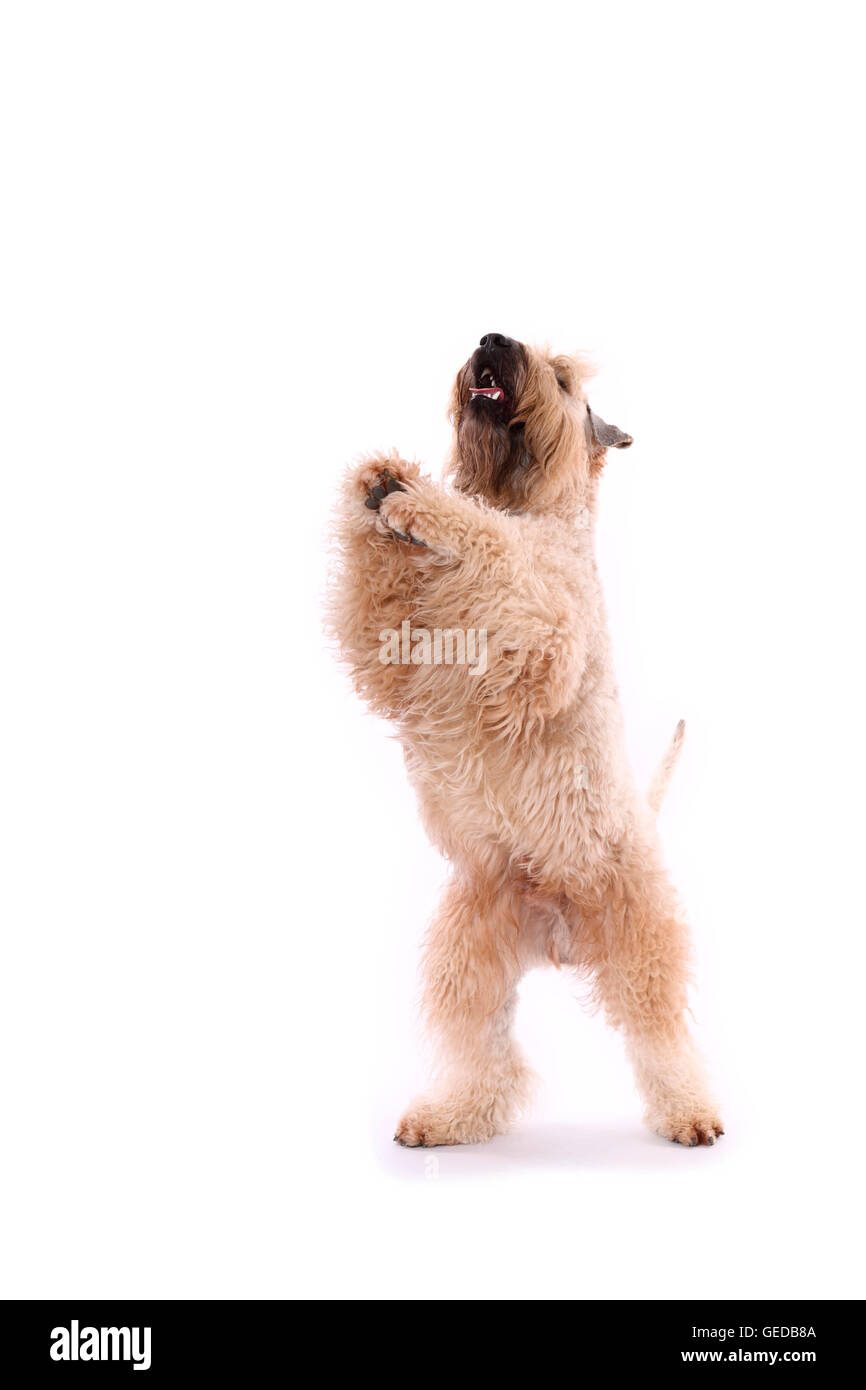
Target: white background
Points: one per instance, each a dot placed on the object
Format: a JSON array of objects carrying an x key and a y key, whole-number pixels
[{"x": 241, "y": 243}]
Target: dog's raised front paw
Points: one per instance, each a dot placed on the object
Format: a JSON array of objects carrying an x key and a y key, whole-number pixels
[
  {"x": 378, "y": 479},
  {"x": 375, "y": 476},
  {"x": 381, "y": 488},
  {"x": 400, "y": 515}
]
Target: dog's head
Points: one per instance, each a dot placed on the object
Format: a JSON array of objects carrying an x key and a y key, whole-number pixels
[{"x": 525, "y": 437}]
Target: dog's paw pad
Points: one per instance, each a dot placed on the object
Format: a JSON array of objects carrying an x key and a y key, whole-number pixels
[
  {"x": 385, "y": 486},
  {"x": 375, "y": 497}
]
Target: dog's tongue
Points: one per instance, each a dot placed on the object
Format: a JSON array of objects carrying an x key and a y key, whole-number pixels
[{"x": 494, "y": 393}]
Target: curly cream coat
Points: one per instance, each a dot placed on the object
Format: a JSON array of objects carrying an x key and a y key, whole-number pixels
[{"x": 520, "y": 770}]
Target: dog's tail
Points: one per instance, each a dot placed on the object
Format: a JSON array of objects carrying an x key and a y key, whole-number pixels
[{"x": 665, "y": 770}]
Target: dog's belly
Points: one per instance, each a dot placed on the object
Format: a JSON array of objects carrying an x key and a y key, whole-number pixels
[{"x": 557, "y": 816}]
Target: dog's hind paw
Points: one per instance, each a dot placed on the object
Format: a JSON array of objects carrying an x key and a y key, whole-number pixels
[
  {"x": 690, "y": 1130},
  {"x": 426, "y": 1126}
]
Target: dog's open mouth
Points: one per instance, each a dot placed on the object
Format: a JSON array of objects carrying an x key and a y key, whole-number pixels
[{"x": 488, "y": 388}]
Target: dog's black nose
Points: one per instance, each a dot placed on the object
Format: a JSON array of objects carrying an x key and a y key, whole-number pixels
[{"x": 494, "y": 340}]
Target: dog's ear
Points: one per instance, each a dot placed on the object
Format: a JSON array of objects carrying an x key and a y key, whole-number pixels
[
  {"x": 457, "y": 394},
  {"x": 604, "y": 436}
]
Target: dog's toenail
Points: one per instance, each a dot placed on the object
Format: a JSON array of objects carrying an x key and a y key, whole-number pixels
[{"x": 392, "y": 485}]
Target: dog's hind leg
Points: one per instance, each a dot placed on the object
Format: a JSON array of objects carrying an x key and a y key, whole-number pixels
[
  {"x": 638, "y": 950},
  {"x": 472, "y": 964}
]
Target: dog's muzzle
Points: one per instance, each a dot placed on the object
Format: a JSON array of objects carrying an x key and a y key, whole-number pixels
[{"x": 493, "y": 368}]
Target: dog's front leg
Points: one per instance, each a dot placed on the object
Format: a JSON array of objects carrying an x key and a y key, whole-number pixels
[
  {"x": 375, "y": 580},
  {"x": 471, "y": 970},
  {"x": 421, "y": 512},
  {"x": 536, "y": 653}
]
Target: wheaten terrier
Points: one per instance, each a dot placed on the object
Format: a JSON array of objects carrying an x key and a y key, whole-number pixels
[{"x": 518, "y": 761}]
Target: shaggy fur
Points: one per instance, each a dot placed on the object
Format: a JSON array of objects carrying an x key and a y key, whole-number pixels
[{"x": 520, "y": 772}]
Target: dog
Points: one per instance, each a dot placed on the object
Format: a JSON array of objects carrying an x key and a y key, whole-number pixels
[{"x": 519, "y": 769}]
